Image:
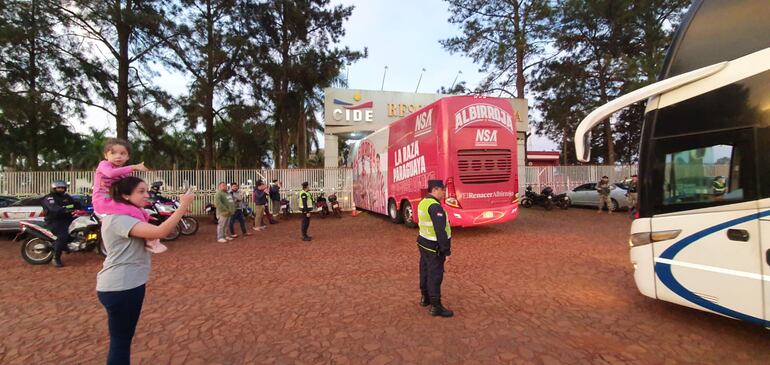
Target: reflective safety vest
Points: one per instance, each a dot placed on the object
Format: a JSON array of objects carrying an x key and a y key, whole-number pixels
[
  {"x": 427, "y": 230},
  {"x": 307, "y": 198}
]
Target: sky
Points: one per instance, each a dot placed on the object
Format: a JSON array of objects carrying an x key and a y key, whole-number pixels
[{"x": 400, "y": 34}]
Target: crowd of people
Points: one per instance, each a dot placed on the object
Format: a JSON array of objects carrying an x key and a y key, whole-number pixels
[
  {"x": 232, "y": 207},
  {"x": 130, "y": 240}
]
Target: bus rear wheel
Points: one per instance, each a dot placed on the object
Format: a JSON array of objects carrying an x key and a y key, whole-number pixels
[
  {"x": 407, "y": 212},
  {"x": 395, "y": 214}
]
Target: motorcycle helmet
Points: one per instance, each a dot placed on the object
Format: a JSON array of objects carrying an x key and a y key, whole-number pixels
[
  {"x": 155, "y": 186},
  {"x": 56, "y": 184}
]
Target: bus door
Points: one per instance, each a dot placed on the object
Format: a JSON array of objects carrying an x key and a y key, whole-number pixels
[{"x": 706, "y": 228}]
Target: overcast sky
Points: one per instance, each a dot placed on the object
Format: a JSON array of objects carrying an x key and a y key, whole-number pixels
[{"x": 402, "y": 35}]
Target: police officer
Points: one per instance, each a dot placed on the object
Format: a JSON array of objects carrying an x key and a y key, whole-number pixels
[
  {"x": 305, "y": 206},
  {"x": 434, "y": 243},
  {"x": 58, "y": 207},
  {"x": 719, "y": 185},
  {"x": 632, "y": 195}
]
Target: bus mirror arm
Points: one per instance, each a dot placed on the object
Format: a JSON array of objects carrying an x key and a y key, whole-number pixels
[{"x": 600, "y": 114}]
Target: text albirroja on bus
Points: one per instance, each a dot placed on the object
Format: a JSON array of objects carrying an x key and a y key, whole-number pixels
[{"x": 467, "y": 142}]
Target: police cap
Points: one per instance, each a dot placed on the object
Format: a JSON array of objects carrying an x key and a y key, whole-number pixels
[{"x": 433, "y": 184}]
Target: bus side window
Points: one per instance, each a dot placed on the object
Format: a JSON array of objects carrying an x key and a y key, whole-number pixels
[{"x": 699, "y": 171}]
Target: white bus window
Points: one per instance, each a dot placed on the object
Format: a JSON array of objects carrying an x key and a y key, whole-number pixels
[{"x": 702, "y": 175}]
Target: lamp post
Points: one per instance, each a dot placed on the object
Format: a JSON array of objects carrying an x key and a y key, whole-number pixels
[
  {"x": 347, "y": 75},
  {"x": 459, "y": 72},
  {"x": 418, "y": 81},
  {"x": 383, "y": 78}
]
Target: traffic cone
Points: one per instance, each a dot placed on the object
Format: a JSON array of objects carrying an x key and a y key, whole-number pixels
[{"x": 354, "y": 212}]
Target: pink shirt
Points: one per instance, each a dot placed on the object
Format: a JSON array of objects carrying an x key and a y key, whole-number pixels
[{"x": 106, "y": 174}]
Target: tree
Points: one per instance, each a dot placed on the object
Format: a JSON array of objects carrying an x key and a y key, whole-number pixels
[
  {"x": 36, "y": 69},
  {"x": 207, "y": 40},
  {"x": 290, "y": 59},
  {"x": 606, "y": 48},
  {"x": 505, "y": 37},
  {"x": 125, "y": 33}
]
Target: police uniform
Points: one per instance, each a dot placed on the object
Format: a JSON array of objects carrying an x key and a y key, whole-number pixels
[
  {"x": 434, "y": 243},
  {"x": 632, "y": 197},
  {"x": 58, "y": 209},
  {"x": 305, "y": 206},
  {"x": 603, "y": 188}
]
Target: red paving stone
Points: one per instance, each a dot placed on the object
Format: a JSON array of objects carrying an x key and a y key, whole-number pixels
[{"x": 552, "y": 287}]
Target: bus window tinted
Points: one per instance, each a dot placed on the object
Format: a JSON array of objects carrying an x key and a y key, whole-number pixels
[{"x": 702, "y": 175}]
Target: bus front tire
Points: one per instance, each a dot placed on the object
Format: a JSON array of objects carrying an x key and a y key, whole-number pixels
[{"x": 394, "y": 213}]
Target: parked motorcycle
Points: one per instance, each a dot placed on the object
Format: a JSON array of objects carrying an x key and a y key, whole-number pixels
[
  {"x": 543, "y": 199},
  {"x": 159, "y": 213},
  {"x": 85, "y": 231},
  {"x": 561, "y": 200},
  {"x": 187, "y": 225},
  {"x": 322, "y": 205},
  {"x": 285, "y": 208},
  {"x": 335, "y": 205}
]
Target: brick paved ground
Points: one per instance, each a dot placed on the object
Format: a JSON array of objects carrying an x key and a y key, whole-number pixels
[{"x": 552, "y": 287}]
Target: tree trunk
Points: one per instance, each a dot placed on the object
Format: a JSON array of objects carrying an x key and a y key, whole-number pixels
[
  {"x": 520, "y": 50},
  {"x": 121, "y": 105},
  {"x": 282, "y": 148},
  {"x": 208, "y": 91},
  {"x": 302, "y": 138},
  {"x": 32, "y": 106}
]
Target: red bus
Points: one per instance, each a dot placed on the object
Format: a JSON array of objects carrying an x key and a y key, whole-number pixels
[{"x": 467, "y": 142}]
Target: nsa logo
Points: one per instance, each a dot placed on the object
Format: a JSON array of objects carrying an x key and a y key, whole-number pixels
[{"x": 486, "y": 138}]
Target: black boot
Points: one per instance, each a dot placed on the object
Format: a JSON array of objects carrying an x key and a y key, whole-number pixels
[
  {"x": 57, "y": 260},
  {"x": 425, "y": 300},
  {"x": 438, "y": 310}
]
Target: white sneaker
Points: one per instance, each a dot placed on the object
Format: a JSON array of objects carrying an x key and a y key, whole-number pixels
[
  {"x": 229, "y": 238},
  {"x": 221, "y": 240}
]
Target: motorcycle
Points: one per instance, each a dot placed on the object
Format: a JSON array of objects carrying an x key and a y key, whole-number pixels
[
  {"x": 335, "y": 205},
  {"x": 187, "y": 225},
  {"x": 285, "y": 208},
  {"x": 544, "y": 199},
  {"x": 85, "y": 231},
  {"x": 561, "y": 200},
  {"x": 322, "y": 205},
  {"x": 159, "y": 213}
]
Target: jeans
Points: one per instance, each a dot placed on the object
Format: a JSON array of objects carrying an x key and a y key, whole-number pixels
[
  {"x": 238, "y": 217},
  {"x": 123, "y": 310},
  {"x": 222, "y": 226}
]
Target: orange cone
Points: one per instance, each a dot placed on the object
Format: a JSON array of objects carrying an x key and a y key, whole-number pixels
[{"x": 354, "y": 212}]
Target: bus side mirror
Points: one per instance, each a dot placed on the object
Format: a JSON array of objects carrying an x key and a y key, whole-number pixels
[{"x": 587, "y": 146}]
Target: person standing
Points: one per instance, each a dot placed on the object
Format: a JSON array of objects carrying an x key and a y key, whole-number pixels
[
  {"x": 632, "y": 196},
  {"x": 240, "y": 209},
  {"x": 275, "y": 197},
  {"x": 260, "y": 203},
  {"x": 58, "y": 207},
  {"x": 603, "y": 187},
  {"x": 434, "y": 243},
  {"x": 225, "y": 209},
  {"x": 120, "y": 285},
  {"x": 306, "y": 207}
]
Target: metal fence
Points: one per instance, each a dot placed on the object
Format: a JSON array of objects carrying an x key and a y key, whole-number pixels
[
  {"x": 562, "y": 178},
  {"x": 339, "y": 181}
]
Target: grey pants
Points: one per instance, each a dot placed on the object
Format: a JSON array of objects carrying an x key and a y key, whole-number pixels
[
  {"x": 222, "y": 223},
  {"x": 276, "y": 207}
]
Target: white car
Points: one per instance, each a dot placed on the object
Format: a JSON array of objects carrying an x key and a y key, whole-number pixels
[{"x": 586, "y": 195}]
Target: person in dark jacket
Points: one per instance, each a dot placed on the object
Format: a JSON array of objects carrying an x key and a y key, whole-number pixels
[
  {"x": 435, "y": 245},
  {"x": 275, "y": 198},
  {"x": 306, "y": 207},
  {"x": 58, "y": 207},
  {"x": 260, "y": 203}
]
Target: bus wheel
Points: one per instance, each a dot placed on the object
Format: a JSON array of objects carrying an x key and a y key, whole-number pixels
[
  {"x": 406, "y": 211},
  {"x": 394, "y": 213}
]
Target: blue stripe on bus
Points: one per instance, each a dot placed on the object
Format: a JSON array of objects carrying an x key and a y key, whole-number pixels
[{"x": 665, "y": 275}]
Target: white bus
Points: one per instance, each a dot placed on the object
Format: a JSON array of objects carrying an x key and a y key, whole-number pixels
[{"x": 703, "y": 235}]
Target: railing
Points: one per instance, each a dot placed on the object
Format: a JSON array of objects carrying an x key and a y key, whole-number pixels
[{"x": 339, "y": 181}]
